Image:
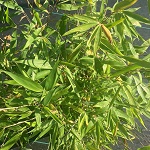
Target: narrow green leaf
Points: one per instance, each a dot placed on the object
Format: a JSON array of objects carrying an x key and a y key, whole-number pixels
[
  {"x": 2, "y": 131},
  {"x": 81, "y": 28},
  {"x": 102, "y": 9},
  {"x": 37, "y": 16},
  {"x": 40, "y": 64},
  {"x": 98, "y": 134},
  {"x": 90, "y": 127},
  {"x": 75, "y": 53},
  {"x": 129, "y": 96},
  {"x": 119, "y": 28},
  {"x": 138, "y": 62},
  {"x": 11, "y": 82},
  {"x": 30, "y": 40},
  {"x": 42, "y": 133},
  {"x": 42, "y": 74},
  {"x": 68, "y": 7},
  {"x": 25, "y": 82},
  {"x": 48, "y": 97},
  {"x": 38, "y": 117},
  {"x": 125, "y": 70},
  {"x": 77, "y": 109},
  {"x": 52, "y": 77},
  {"x": 113, "y": 24},
  {"x": 84, "y": 18},
  {"x": 54, "y": 136},
  {"x": 114, "y": 60},
  {"x": 122, "y": 114},
  {"x": 87, "y": 60},
  {"x": 92, "y": 36},
  {"x": 107, "y": 46},
  {"x": 102, "y": 104},
  {"x": 68, "y": 64},
  {"x": 137, "y": 17},
  {"x": 97, "y": 40},
  {"x": 138, "y": 115},
  {"x": 139, "y": 88},
  {"x": 81, "y": 121},
  {"x": 124, "y": 4},
  {"x": 76, "y": 134},
  {"x": 98, "y": 65},
  {"x": 123, "y": 131},
  {"x": 53, "y": 115},
  {"x": 11, "y": 141},
  {"x": 115, "y": 97},
  {"x": 60, "y": 93},
  {"x": 74, "y": 145},
  {"x": 130, "y": 29}
]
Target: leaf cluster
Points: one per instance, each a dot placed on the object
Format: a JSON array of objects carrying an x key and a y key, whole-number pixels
[{"x": 79, "y": 80}]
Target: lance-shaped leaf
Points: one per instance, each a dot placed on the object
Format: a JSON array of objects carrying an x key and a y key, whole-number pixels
[
  {"x": 11, "y": 142},
  {"x": 92, "y": 36},
  {"x": 97, "y": 40},
  {"x": 124, "y": 4},
  {"x": 113, "y": 24},
  {"x": 41, "y": 64},
  {"x": 136, "y": 61},
  {"x": 80, "y": 28},
  {"x": 52, "y": 77},
  {"x": 48, "y": 97},
  {"x": 137, "y": 17},
  {"x": 38, "y": 117},
  {"x": 129, "y": 95},
  {"x": 125, "y": 70},
  {"x": 53, "y": 115},
  {"x": 68, "y": 7},
  {"x": 45, "y": 130},
  {"x": 75, "y": 53},
  {"x": 84, "y": 19},
  {"x": 25, "y": 82}
]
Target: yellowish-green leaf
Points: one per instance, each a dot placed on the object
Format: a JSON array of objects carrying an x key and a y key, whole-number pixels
[
  {"x": 92, "y": 36},
  {"x": 124, "y": 4},
  {"x": 129, "y": 95},
  {"x": 137, "y": 17},
  {"x": 41, "y": 64},
  {"x": 97, "y": 40},
  {"x": 110, "y": 25},
  {"x": 84, "y": 19},
  {"x": 80, "y": 28},
  {"x": 25, "y": 82}
]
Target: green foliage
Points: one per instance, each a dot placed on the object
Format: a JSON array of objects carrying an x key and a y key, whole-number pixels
[{"x": 79, "y": 80}]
